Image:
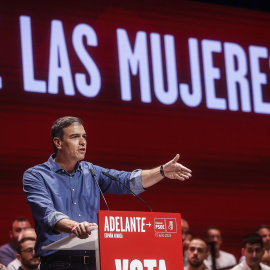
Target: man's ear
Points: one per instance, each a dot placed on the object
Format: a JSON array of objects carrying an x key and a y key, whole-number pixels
[
  {"x": 18, "y": 256},
  {"x": 57, "y": 142},
  {"x": 243, "y": 251}
]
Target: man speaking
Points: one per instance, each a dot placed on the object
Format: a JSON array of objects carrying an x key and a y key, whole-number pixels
[{"x": 64, "y": 197}]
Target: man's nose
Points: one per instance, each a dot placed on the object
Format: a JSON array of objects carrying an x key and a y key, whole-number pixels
[
  {"x": 215, "y": 238},
  {"x": 82, "y": 141}
]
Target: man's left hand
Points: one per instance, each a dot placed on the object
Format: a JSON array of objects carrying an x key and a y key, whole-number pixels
[{"x": 174, "y": 170}]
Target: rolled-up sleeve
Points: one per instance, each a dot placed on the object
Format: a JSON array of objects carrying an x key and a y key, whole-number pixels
[
  {"x": 52, "y": 219},
  {"x": 136, "y": 181}
]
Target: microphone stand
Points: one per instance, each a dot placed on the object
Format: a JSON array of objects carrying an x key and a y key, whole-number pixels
[
  {"x": 94, "y": 176},
  {"x": 115, "y": 179}
]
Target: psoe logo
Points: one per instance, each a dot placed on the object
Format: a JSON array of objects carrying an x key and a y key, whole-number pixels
[
  {"x": 160, "y": 225},
  {"x": 165, "y": 225},
  {"x": 171, "y": 225}
]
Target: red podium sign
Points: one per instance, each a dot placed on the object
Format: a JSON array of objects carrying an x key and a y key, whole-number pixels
[{"x": 140, "y": 241}]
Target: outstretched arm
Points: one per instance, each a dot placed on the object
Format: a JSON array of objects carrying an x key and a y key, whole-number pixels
[{"x": 171, "y": 169}]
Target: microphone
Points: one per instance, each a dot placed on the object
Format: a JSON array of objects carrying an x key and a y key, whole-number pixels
[
  {"x": 115, "y": 179},
  {"x": 94, "y": 176}
]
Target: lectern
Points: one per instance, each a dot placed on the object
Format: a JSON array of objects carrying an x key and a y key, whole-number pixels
[
  {"x": 132, "y": 240},
  {"x": 72, "y": 242}
]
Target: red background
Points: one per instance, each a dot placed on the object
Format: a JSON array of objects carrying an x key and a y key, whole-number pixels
[{"x": 228, "y": 152}]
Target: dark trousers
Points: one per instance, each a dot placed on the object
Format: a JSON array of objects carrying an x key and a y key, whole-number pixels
[{"x": 62, "y": 260}]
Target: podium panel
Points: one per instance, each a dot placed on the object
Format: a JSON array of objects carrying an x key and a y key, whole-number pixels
[{"x": 140, "y": 241}]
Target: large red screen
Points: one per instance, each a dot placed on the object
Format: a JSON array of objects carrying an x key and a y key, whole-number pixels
[{"x": 149, "y": 81}]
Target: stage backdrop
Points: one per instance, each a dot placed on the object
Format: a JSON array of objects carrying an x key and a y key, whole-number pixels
[{"x": 149, "y": 80}]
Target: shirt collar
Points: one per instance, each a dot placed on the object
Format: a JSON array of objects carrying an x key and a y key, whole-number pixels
[
  {"x": 55, "y": 167},
  {"x": 247, "y": 266}
]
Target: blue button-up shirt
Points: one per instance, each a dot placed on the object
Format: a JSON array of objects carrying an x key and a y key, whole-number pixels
[{"x": 53, "y": 194}]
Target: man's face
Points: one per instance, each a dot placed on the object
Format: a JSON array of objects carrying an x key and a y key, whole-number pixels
[
  {"x": 197, "y": 252},
  {"x": 253, "y": 254},
  {"x": 214, "y": 235},
  {"x": 73, "y": 145},
  {"x": 265, "y": 234},
  {"x": 17, "y": 228},
  {"x": 27, "y": 255}
]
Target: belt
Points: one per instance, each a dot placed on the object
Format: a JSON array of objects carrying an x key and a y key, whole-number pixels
[{"x": 69, "y": 258}]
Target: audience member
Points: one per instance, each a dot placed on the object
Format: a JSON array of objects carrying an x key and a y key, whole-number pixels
[
  {"x": 264, "y": 232},
  {"x": 223, "y": 259},
  {"x": 26, "y": 251},
  {"x": 29, "y": 232},
  {"x": 186, "y": 242},
  {"x": 8, "y": 251},
  {"x": 266, "y": 258},
  {"x": 2, "y": 267},
  {"x": 197, "y": 253},
  {"x": 253, "y": 251},
  {"x": 185, "y": 229}
]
